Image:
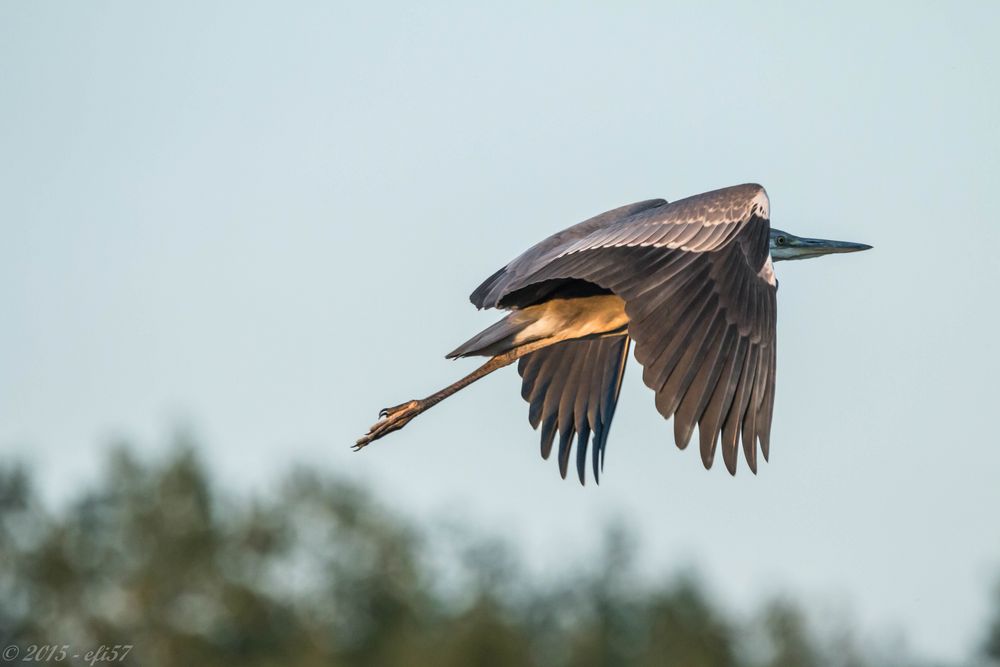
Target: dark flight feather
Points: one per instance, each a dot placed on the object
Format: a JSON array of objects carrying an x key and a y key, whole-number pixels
[{"x": 573, "y": 387}]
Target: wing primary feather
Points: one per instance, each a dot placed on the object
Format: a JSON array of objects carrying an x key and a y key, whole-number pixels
[
  {"x": 766, "y": 410},
  {"x": 609, "y": 401},
  {"x": 548, "y": 434},
  {"x": 535, "y": 408},
  {"x": 534, "y": 387},
  {"x": 698, "y": 394},
  {"x": 557, "y": 385},
  {"x": 582, "y": 438},
  {"x": 544, "y": 361},
  {"x": 750, "y": 416},
  {"x": 590, "y": 361},
  {"x": 565, "y": 445},
  {"x": 708, "y": 427},
  {"x": 674, "y": 325},
  {"x": 676, "y": 386},
  {"x": 734, "y": 417},
  {"x": 567, "y": 426},
  {"x": 528, "y": 368}
]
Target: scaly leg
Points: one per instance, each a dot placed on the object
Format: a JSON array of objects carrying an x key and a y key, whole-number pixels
[{"x": 395, "y": 418}]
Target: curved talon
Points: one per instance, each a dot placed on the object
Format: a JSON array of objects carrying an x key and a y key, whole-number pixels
[{"x": 390, "y": 419}]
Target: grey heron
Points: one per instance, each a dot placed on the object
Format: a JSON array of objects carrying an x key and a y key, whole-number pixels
[{"x": 691, "y": 283}]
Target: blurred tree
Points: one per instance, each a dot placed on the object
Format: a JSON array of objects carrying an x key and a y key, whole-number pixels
[
  {"x": 319, "y": 573},
  {"x": 608, "y": 630},
  {"x": 686, "y": 630},
  {"x": 790, "y": 642},
  {"x": 991, "y": 647}
]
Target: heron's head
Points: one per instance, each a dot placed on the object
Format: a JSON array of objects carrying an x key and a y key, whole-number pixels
[{"x": 789, "y": 246}]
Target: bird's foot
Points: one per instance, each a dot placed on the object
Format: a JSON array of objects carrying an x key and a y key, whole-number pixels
[{"x": 390, "y": 419}]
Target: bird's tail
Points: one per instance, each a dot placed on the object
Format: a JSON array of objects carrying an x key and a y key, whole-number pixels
[
  {"x": 496, "y": 338},
  {"x": 553, "y": 320}
]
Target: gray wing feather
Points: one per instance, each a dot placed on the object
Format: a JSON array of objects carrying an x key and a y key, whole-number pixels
[
  {"x": 703, "y": 223},
  {"x": 572, "y": 388},
  {"x": 700, "y": 311},
  {"x": 488, "y": 294}
]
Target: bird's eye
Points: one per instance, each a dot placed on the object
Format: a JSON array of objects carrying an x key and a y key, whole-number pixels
[{"x": 780, "y": 240}]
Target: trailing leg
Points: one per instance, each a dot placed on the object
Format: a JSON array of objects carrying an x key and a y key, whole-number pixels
[{"x": 395, "y": 418}]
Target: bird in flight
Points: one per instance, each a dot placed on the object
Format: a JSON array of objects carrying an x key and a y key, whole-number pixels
[{"x": 691, "y": 283}]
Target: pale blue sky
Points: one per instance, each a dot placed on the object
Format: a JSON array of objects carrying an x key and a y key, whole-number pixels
[{"x": 264, "y": 219}]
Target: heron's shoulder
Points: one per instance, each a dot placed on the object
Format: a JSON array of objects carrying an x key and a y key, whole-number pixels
[{"x": 725, "y": 205}]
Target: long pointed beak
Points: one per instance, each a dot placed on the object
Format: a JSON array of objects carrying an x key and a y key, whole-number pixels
[
  {"x": 805, "y": 248},
  {"x": 825, "y": 247}
]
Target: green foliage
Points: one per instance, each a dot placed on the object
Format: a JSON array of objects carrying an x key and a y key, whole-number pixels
[
  {"x": 319, "y": 574},
  {"x": 991, "y": 648}
]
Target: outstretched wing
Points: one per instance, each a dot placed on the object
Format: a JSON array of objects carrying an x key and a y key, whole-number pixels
[{"x": 701, "y": 299}]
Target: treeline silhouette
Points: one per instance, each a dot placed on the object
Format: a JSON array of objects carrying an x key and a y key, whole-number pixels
[{"x": 318, "y": 573}]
